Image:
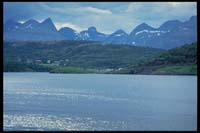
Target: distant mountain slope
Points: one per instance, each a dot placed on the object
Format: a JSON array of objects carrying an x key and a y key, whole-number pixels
[
  {"x": 78, "y": 53},
  {"x": 69, "y": 33},
  {"x": 118, "y": 37},
  {"x": 31, "y": 30},
  {"x": 170, "y": 34},
  {"x": 92, "y": 34},
  {"x": 180, "y": 60}
]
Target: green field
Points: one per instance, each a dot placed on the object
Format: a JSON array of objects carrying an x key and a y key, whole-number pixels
[
  {"x": 72, "y": 70},
  {"x": 177, "y": 70}
]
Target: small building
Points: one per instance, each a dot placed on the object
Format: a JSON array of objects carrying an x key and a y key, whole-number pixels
[
  {"x": 56, "y": 63},
  {"x": 38, "y": 61},
  {"x": 119, "y": 68},
  {"x": 48, "y": 61}
]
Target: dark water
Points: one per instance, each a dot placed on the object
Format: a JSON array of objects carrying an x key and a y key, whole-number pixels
[{"x": 43, "y": 101}]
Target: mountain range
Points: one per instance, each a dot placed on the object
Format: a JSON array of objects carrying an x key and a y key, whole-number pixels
[{"x": 172, "y": 33}]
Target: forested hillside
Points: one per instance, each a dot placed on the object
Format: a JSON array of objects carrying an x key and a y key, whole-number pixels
[
  {"x": 75, "y": 53},
  {"x": 180, "y": 60}
]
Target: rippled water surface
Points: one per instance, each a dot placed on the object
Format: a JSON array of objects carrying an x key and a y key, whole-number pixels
[{"x": 43, "y": 101}]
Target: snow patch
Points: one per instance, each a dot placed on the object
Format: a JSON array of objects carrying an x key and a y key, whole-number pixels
[
  {"x": 86, "y": 35},
  {"x": 29, "y": 26},
  {"x": 153, "y": 31},
  {"x": 118, "y": 35},
  {"x": 141, "y": 32},
  {"x": 77, "y": 33}
]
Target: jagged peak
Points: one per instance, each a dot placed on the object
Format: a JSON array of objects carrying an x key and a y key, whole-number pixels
[
  {"x": 31, "y": 21},
  {"x": 48, "y": 23},
  {"x": 48, "y": 20},
  {"x": 141, "y": 27}
]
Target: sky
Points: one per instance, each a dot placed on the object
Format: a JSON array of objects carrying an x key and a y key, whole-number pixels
[{"x": 107, "y": 17}]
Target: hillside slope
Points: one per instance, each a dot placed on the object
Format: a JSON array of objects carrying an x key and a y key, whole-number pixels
[
  {"x": 180, "y": 60},
  {"x": 78, "y": 53}
]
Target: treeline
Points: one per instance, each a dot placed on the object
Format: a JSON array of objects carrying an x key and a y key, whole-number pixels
[{"x": 13, "y": 66}]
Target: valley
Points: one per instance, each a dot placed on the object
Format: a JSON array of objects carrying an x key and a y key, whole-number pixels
[{"x": 94, "y": 57}]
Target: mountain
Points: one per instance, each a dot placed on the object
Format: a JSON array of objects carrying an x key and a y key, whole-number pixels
[
  {"x": 11, "y": 25},
  {"x": 31, "y": 30},
  {"x": 118, "y": 37},
  {"x": 191, "y": 23},
  {"x": 30, "y": 24},
  {"x": 170, "y": 34},
  {"x": 48, "y": 26},
  {"x": 141, "y": 28},
  {"x": 140, "y": 34},
  {"x": 92, "y": 34},
  {"x": 69, "y": 33},
  {"x": 171, "y": 25}
]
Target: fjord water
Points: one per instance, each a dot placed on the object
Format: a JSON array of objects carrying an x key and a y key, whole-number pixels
[{"x": 43, "y": 101}]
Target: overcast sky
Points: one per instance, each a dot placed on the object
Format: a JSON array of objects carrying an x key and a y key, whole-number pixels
[{"x": 107, "y": 17}]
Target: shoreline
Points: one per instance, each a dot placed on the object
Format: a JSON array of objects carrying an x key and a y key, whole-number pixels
[{"x": 108, "y": 73}]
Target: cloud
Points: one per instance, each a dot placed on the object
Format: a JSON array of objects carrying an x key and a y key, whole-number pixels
[
  {"x": 96, "y": 10},
  {"x": 52, "y": 9},
  {"x": 67, "y": 9},
  {"x": 106, "y": 16},
  {"x": 18, "y": 10},
  {"x": 155, "y": 13},
  {"x": 160, "y": 8},
  {"x": 176, "y": 4},
  {"x": 107, "y": 23}
]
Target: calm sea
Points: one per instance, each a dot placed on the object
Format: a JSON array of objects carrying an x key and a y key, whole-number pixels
[{"x": 43, "y": 101}]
